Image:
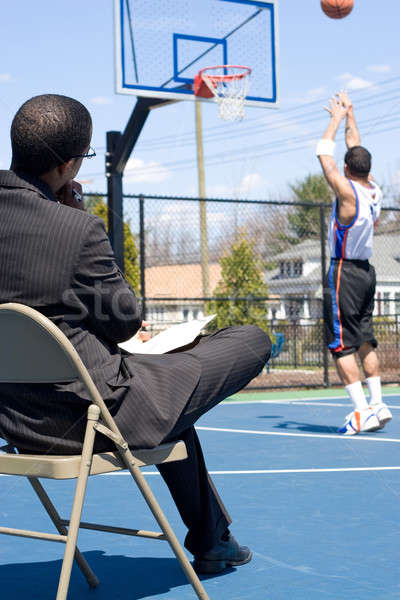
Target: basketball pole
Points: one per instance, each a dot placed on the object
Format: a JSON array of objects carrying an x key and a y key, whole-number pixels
[
  {"x": 203, "y": 203},
  {"x": 119, "y": 147}
]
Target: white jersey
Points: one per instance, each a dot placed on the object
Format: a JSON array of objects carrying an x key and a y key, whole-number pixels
[{"x": 354, "y": 241}]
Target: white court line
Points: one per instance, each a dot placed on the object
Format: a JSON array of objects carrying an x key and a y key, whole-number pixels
[
  {"x": 262, "y": 471},
  {"x": 307, "y": 403},
  {"x": 277, "y": 471},
  {"x": 297, "y": 402},
  {"x": 307, "y": 435}
]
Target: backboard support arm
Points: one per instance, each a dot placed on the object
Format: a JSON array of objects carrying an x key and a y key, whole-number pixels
[{"x": 119, "y": 147}]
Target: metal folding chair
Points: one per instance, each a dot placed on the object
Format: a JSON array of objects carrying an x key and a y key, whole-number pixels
[{"x": 34, "y": 350}]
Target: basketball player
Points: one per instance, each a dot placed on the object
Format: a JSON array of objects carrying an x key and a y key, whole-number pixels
[{"x": 350, "y": 286}]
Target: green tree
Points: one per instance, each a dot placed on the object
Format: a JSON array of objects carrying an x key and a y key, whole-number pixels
[
  {"x": 97, "y": 206},
  {"x": 241, "y": 277},
  {"x": 304, "y": 221}
]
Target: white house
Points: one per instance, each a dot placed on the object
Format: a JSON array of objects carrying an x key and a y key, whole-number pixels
[{"x": 297, "y": 280}]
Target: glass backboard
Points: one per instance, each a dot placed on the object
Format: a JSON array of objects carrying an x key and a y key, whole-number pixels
[{"x": 160, "y": 45}]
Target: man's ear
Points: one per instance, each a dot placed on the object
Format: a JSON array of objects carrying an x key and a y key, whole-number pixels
[{"x": 66, "y": 167}]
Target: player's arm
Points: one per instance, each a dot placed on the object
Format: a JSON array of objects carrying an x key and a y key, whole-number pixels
[
  {"x": 352, "y": 135},
  {"x": 325, "y": 149}
]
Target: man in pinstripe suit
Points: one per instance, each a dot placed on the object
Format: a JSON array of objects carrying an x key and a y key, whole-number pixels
[{"x": 58, "y": 260}]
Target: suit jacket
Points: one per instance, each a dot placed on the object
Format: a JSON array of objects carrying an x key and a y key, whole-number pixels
[{"x": 59, "y": 261}]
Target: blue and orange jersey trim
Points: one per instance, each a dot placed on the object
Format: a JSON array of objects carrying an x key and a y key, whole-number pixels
[
  {"x": 341, "y": 231},
  {"x": 337, "y": 343}
]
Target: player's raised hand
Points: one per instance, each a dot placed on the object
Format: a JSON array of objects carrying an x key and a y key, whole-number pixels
[
  {"x": 336, "y": 108},
  {"x": 345, "y": 100}
]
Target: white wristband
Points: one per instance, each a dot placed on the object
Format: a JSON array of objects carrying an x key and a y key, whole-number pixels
[{"x": 326, "y": 147}]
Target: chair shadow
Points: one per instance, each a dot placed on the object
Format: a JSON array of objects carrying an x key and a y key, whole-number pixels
[{"x": 121, "y": 578}]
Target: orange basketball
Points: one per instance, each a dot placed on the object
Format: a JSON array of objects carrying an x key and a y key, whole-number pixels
[{"x": 337, "y": 9}]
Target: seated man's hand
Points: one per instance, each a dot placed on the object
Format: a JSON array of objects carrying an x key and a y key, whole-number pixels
[
  {"x": 142, "y": 335},
  {"x": 71, "y": 195}
]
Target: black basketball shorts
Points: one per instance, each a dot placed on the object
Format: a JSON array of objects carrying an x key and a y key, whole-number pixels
[{"x": 348, "y": 305}]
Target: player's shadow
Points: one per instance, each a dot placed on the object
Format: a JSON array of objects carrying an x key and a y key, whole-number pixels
[
  {"x": 121, "y": 577},
  {"x": 306, "y": 427},
  {"x": 270, "y": 417}
]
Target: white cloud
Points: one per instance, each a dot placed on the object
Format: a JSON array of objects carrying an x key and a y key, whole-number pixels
[
  {"x": 250, "y": 182},
  {"x": 5, "y": 77},
  {"x": 316, "y": 93},
  {"x": 139, "y": 171},
  {"x": 101, "y": 100},
  {"x": 175, "y": 212},
  {"x": 354, "y": 83},
  {"x": 218, "y": 218},
  {"x": 247, "y": 184},
  {"x": 379, "y": 68},
  {"x": 311, "y": 95},
  {"x": 219, "y": 190}
]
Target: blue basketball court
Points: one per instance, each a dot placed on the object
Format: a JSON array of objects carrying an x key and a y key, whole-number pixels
[{"x": 320, "y": 512}]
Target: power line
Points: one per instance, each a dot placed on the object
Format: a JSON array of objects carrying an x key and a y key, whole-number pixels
[
  {"x": 253, "y": 151},
  {"x": 155, "y": 141},
  {"x": 296, "y": 142}
]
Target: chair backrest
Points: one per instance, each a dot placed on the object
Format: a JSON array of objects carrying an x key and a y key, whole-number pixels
[{"x": 32, "y": 348}]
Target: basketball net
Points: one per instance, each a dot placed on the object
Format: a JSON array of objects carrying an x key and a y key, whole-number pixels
[{"x": 228, "y": 84}]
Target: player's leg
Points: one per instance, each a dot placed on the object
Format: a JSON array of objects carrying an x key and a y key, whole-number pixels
[
  {"x": 368, "y": 355},
  {"x": 349, "y": 373},
  {"x": 362, "y": 418},
  {"x": 344, "y": 297},
  {"x": 370, "y": 364}
]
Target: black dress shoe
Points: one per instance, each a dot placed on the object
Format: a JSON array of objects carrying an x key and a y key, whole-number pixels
[{"x": 226, "y": 553}]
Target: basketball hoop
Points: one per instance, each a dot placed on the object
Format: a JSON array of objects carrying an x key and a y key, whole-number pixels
[{"x": 228, "y": 84}]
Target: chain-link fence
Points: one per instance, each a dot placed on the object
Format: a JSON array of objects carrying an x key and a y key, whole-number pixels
[{"x": 257, "y": 262}]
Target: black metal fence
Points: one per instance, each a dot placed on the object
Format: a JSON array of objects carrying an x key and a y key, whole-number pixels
[{"x": 182, "y": 244}]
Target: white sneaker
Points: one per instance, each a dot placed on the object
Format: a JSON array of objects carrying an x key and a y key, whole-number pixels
[
  {"x": 360, "y": 420},
  {"x": 382, "y": 413}
]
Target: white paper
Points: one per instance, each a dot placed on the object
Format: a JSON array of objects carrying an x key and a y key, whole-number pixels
[{"x": 174, "y": 337}]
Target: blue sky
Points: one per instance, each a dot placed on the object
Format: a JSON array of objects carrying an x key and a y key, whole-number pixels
[{"x": 49, "y": 46}]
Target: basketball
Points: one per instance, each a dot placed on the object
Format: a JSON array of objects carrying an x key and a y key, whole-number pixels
[{"x": 337, "y": 9}]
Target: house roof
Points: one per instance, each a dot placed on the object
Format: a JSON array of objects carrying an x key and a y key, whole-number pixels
[
  {"x": 305, "y": 250},
  {"x": 180, "y": 281}
]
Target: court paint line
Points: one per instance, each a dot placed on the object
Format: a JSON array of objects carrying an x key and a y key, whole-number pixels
[
  {"x": 307, "y": 435},
  {"x": 275, "y": 471},
  {"x": 262, "y": 471},
  {"x": 296, "y": 403},
  {"x": 303, "y": 395},
  {"x": 282, "y": 400}
]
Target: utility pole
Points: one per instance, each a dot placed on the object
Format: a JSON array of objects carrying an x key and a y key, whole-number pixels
[{"x": 203, "y": 204}]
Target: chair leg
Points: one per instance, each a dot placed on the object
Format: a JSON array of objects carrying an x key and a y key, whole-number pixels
[
  {"x": 164, "y": 525},
  {"x": 80, "y": 490},
  {"x": 55, "y": 517}
]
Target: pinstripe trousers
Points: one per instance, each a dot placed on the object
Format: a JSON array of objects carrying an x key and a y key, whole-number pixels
[{"x": 229, "y": 359}]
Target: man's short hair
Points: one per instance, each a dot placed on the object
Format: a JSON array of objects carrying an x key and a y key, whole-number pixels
[
  {"x": 358, "y": 160},
  {"x": 47, "y": 131}
]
